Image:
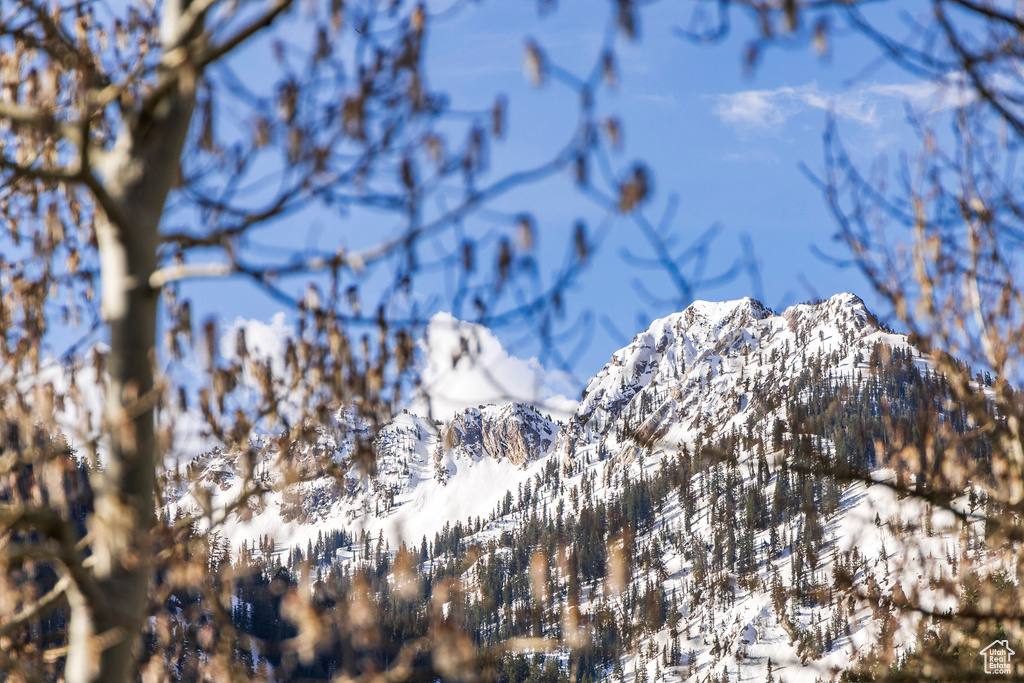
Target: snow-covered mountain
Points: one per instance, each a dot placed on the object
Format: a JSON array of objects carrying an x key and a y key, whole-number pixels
[
  {"x": 703, "y": 432},
  {"x": 711, "y": 368},
  {"x": 703, "y": 370}
]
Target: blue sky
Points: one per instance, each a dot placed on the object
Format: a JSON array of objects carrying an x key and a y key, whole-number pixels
[
  {"x": 725, "y": 148},
  {"x": 727, "y": 144}
]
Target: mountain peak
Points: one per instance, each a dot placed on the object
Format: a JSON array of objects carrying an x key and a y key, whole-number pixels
[
  {"x": 836, "y": 301},
  {"x": 720, "y": 313},
  {"x": 693, "y": 369},
  {"x": 843, "y": 309},
  {"x": 710, "y": 308},
  {"x": 744, "y": 310}
]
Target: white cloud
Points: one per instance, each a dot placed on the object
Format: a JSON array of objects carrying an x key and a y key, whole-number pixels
[
  {"x": 756, "y": 108},
  {"x": 761, "y": 156},
  {"x": 653, "y": 98},
  {"x": 952, "y": 92},
  {"x": 768, "y": 110},
  {"x": 483, "y": 372}
]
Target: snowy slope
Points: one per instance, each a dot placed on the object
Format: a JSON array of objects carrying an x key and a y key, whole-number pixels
[{"x": 418, "y": 484}]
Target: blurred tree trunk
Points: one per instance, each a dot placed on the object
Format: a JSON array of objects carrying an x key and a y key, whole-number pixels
[{"x": 137, "y": 179}]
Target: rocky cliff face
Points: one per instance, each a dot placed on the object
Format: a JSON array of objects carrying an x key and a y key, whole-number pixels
[{"x": 514, "y": 432}]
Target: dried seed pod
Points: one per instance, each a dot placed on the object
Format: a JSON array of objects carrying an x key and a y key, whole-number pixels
[
  {"x": 613, "y": 129},
  {"x": 467, "y": 256},
  {"x": 580, "y": 244},
  {"x": 608, "y": 70},
  {"x": 525, "y": 231},
  {"x": 498, "y": 116},
  {"x": 634, "y": 189},
  {"x": 536, "y": 69},
  {"x": 504, "y": 262}
]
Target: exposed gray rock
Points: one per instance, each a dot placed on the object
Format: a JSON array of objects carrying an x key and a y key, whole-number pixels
[{"x": 515, "y": 431}]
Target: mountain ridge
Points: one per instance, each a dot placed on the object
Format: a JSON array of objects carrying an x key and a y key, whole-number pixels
[{"x": 668, "y": 364}]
